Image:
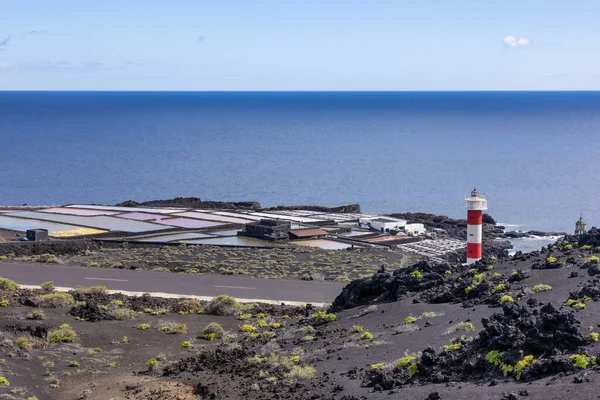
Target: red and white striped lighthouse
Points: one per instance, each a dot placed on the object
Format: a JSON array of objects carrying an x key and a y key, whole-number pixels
[{"x": 475, "y": 205}]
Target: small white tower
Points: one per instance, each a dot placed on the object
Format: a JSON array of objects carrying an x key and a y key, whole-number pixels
[{"x": 475, "y": 205}]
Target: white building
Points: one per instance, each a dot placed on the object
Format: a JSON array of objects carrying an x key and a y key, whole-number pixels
[
  {"x": 414, "y": 229},
  {"x": 383, "y": 224}
]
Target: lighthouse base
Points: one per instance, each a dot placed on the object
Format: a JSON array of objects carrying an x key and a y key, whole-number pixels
[{"x": 472, "y": 260}]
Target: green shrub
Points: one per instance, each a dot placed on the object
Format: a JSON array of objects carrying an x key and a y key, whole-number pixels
[
  {"x": 506, "y": 298},
  {"x": 409, "y": 320},
  {"x": 448, "y": 272},
  {"x": 453, "y": 347},
  {"x": 210, "y": 336},
  {"x": 494, "y": 357},
  {"x": 63, "y": 334},
  {"x": 479, "y": 277},
  {"x": 247, "y": 328},
  {"x": 48, "y": 286},
  {"x": 56, "y": 300},
  {"x": 295, "y": 358},
  {"x": 36, "y": 315},
  {"x": 223, "y": 305},
  {"x": 261, "y": 323},
  {"x": 592, "y": 259},
  {"x": 7, "y": 284},
  {"x": 551, "y": 259},
  {"x": 323, "y": 316},
  {"x": 24, "y": 343},
  {"x": 4, "y": 381},
  {"x": 215, "y": 329},
  {"x": 117, "y": 303},
  {"x": 377, "y": 366},
  {"x": 99, "y": 289},
  {"x": 404, "y": 361},
  {"x": 541, "y": 288},
  {"x": 413, "y": 369},
  {"x": 4, "y": 303},
  {"x": 143, "y": 327},
  {"x": 594, "y": 336},
  {"x": 499, "y": 287},
  {"x": 579, "y": 361},
  {"x": 356, "y": 329},
  {"x": 152, "y": 364},
  {"x": 307, "y": 329},
  {"x": 188, "y": 306},
  {"x": 525, "y": 362},
  {"x": 308, "y": 338},
  {"x": 366, "y": 336},
  {"x": 274, "y": 325},
  {"x": 496, "y": 275},
  {"x": 301, "y": 372},
  {"x": 416, "y": 274},
  {"x": 73, "y": 364},
  {"x": 465, "y": 326},
  {"x": 186, "y": 345},
  {"x": 122, "y": 314}
]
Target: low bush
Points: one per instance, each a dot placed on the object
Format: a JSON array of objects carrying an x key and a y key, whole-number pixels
[
  {"x": 215, "y": 329},
  {"x": 247, "y": 328},
  {"x": 274, "y": 325},
  {"x": 36, "y": 315},
  {"x": 409, "y": 320},
  {"x": 322, "y": 316},
  {"x": 210, "y": 336},
  {"x": 143, "y": 327},
  {"x": 4, "y": 381},
  {"x": 47, "y": 286},
  {"x": 465, "y": 326},
  {"x": 541, "y": 288},
  {"x": 551, "y": 259},
  {"x": 63, "y": 334},
  {"x": 453, "y": 347},
  {"x": 594, "y": 336},
  {"x": 186, "y": 345},
  {"x": 56, "y": 300},
  {"x": 416, "y": 274},
  {"x": 506, "y": 298},
  {"x": 24, "y": 343},
  {"x": 356, "y": 329},
  {"x": 377, "y": 366},
  {"x": 7, "y": 284},
  {"x": 122, "y": 314},
  {"x": 301, "y": 372},
  {"x": 152, "y": 364},
  {"x": 188, "y": 306},
  {"x": 117, "y": 303},
  {"x": 499, "y": 287},
  {"x": 223, "y": 305},
  {"x": 366, "y": 336},
  {"x": 405, "y": 361},
  {"x": 307, "y": 329},
  {"x": 173, "y": 328},
  {"x": 4, "y": 303}
]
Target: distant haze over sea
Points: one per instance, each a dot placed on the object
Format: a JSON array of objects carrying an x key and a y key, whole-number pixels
[{"x": 536, "y": 155}]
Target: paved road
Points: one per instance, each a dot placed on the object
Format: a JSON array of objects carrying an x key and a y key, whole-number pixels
[{"x": 165, "y": 282}]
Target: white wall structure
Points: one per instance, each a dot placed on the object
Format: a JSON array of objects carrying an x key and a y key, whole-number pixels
[
  {"x": 383, "y": 224},
  {"x": 414, "y": 229}
]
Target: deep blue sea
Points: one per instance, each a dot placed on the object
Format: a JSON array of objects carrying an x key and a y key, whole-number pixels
[{"x": 536, "y": 155}]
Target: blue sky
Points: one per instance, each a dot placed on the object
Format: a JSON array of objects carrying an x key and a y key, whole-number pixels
[{"x": 300, "y": 45}]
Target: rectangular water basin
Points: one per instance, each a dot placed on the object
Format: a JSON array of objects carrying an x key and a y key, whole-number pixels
[
  {"x": 323, "y": 244},
  {"x": 99, "y": 221},
  {"x": 230, "y": 241},
  {"x": 128, "y": 209},
  {"x": 213, "y": 217},
  {"x": 21, "y": 224},
  {"x": 175, "y": 237},
  {"x": 77, "y": 211}
]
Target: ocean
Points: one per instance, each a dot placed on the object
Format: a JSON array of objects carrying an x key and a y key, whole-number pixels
[{"x": 534, "y": 154}]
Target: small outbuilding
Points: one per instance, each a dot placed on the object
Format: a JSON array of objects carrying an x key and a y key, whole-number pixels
[
  {"x": 37, "y": 235},
  {"x": 309, "y": 233},
  {"x": 267, "y": 229},
  {"x": 383, "y": 224}
]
